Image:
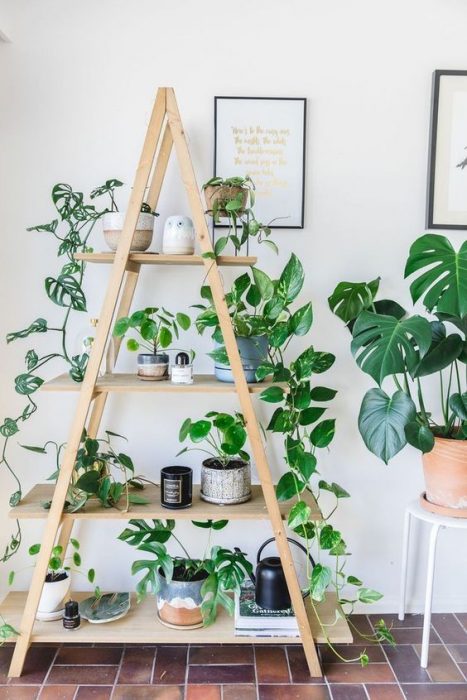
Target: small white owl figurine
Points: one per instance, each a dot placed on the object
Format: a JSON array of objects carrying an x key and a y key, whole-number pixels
[{"x": 179, "y": 236}]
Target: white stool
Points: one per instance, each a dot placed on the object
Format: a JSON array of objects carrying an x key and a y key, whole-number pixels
[{"x": 437, "y": 521}]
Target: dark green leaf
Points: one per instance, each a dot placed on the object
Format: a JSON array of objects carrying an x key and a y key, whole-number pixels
[
  {"x": 89, "y": 482},
  {"x": 322, "y": 393},
  {"x": 310, "y": 415},
  {"x": 291, "y": 279},
  {"x": 273, "y": 394},
  {"x": 323, "y": 434},
  {"x": 66, "y": 291},
  {"x": 37, "y": 326},
  {"x": 9, "y": 427},
  {"x": 419, "y": 436},
  {"x": 349, "y": 299},
  {"x": 288, "y": 486},
  {"x": 320, "y": 580},
  {"x": 441, "y": 355},
  {"x": 382, "y": 422},
  {"x": 458, "y": 404},
  {"x": 263, "y": 283},
  {"x": 26, "y": 384},
  {"x": 299, "y": 514}
]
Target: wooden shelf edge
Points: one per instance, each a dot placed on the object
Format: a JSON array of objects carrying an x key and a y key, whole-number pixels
[
  {"x": 160, "y": 259},
  {"x": 30, "y": 507},
  {"x": 140, "y": 626}
]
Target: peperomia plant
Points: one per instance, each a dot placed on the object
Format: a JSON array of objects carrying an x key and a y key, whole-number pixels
[
  {"x": 155, "y": 327},
  {"x": 225, "y": 570},
  {"x": 235, "y": 199},
  {"x": 387, "y": 343},
  {"x": 59, "y": 564},
  {"x": 223, "y": 434}
]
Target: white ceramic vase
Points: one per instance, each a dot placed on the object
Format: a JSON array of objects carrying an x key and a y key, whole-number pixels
[
  {"x": 179, "y": 236},
  {"x": 112, "y": 223},
  {"x": 53, "y": 595}
]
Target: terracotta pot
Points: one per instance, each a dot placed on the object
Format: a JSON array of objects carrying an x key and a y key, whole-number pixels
[
  {"x": 179, "y": 602},
  {"x": 223, "y": 194},
  {"x": 225, "y": 485},
  {"x": 445, "y": 469},
  {"x": 112, "y": 224}
]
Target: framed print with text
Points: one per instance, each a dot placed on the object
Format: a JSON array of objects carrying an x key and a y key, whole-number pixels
[{"x": 264, "y": 137}]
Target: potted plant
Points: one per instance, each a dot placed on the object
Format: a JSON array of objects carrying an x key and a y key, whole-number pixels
[
  {"x": 226, "y": 475},
  {"x": 93, "y": 475},
  {"x": 234, "y": 198},
  {"x": 113, "y": 220},
  {"x": 261, "y": 317},
  {"x": 155, "y": 327},
  {"x": 188, "y": 591},
  {"x": 57, "y": 581},
  {"x": 389, "y": 344}
]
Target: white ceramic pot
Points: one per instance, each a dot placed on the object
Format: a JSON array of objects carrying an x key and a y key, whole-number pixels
[
  {"x": 112, "y": 223},
  {"x": 179, "y": 236},
  {"x": 225, "y": 485},
  {"x": 53, "y": 595}
]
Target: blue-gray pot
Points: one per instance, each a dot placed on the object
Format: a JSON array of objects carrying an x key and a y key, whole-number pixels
[
  {"x": 253, "y": 351},
  {"x": 179, "y": 602}
]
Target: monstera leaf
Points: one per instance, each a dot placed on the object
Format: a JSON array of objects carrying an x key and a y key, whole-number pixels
[
  {"x": 443, "y": 282},
  {"x": 382, "y": 421},
  {"x": 384, "y": 345},
  {"x": 351, "y": 298}
]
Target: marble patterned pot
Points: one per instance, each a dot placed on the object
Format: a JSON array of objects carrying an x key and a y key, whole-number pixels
[
  {"x": 112, "y": 223},
  {"x": 179, "y": 602},
  {"x": 225, "y": 485}
]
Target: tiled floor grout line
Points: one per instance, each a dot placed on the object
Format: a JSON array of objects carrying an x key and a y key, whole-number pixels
[
  {"x": 286, "y": 651},
  {"x": 256, "y": 673},
  {"x": 449, "y": 654},
  {"x": 187, "y": 669},
  {"x": 117, "y": 675},
  {"x": 49, "y": 669},
  {"x": 151, "y": 677},
  {"x": 394, "y": 673}
]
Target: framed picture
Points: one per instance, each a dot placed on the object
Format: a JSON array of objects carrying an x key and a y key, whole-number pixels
[
  {"x": 447, "y": 169},
  {"x": 264, "y": 137}
]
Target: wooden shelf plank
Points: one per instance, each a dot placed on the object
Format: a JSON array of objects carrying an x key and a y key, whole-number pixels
[
  {"x": 30, "y": 507},
  {"x": 141, "y": 626},
  {"x": 120, "y": 382},
  {"x": 159, "y": 259}
]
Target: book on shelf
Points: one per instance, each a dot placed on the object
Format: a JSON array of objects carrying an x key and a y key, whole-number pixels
[{"x": 253, "y": 621}]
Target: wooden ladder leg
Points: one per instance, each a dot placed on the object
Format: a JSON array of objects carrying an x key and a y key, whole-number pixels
[
  {"x": 212, "y": 271},
  {"x": 88, "y": 386}
]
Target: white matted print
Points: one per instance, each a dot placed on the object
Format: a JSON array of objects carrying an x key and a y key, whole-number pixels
[
  {"x": 264, "y": 137},
  {"x": 447, "y": 188}
]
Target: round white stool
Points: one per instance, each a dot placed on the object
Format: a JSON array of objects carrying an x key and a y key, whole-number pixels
[{"x": 415, "y": 510}]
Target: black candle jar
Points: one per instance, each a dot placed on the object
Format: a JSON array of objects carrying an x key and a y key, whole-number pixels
[{"x": 176, "y": 487}]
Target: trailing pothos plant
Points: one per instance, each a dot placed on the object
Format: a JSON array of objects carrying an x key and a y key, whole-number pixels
[
  {"x": 237, "y": 205},
  {"x": 71, "y": 228},
  {"x": 225, "y": 570},
  {"x": 298, "y": 418},
  {"x": 389, "y": 344},
  {"x": 93, "y": 475}
]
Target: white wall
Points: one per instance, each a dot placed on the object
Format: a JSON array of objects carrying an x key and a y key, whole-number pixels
[{"x": 76, "y": 90}]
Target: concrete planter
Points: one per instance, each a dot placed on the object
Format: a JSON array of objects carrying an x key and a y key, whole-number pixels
[
  {"x": 225, "y": 485},
  {"x": 112, "y": 223},
  {"x": 179, "y": 602}
]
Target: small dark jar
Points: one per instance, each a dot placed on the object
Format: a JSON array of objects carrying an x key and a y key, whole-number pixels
[{"x": 176, "y": 487}]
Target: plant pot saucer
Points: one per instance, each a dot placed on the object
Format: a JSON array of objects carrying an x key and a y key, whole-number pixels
[
  {"x": 442, "y": 510},
  {"x": 50, "y": 616},
  {"x": 179, "y": 627},
  {"x": 227, "y": 501},
  {"x": 152, "y": 379}
]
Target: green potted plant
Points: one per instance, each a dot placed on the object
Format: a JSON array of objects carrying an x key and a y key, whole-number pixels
[
  {"x": 226, "y": 474},
  {"x": 233, "y": 198},
  {"x": 389, "y": 344},
  {"x": 188, "y": 590},
  {"x": 155, "y": 327},
  {"x": 261, "y": 317},
  {"x": 113, "y": 220}
]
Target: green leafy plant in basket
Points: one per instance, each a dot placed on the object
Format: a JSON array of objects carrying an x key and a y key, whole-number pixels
[{"x": 212, "y": 577}]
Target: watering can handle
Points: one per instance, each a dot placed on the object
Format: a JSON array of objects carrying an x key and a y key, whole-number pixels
[{"x": 289, "y": 539}]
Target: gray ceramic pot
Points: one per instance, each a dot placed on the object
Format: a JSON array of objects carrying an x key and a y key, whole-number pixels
[
  {"x": 153, "y": 367},
  {"x": 253, "y": 351},
  {"x": 179, "y": 602},
  {"x": 225, "y": 485}
]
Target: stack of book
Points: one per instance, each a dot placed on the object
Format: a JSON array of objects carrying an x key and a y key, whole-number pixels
[{"x": 253, "y": 621}]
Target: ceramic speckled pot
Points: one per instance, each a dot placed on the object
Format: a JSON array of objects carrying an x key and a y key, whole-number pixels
[
  {"x": 225, "y": 485},
  {"x": 445, "y": 469},
  {"x": 153, "y": 368},
  {"x": 253, "y": 351},
  {"x": 112, "y": 223},
  {"x": 179, "y": 602}
]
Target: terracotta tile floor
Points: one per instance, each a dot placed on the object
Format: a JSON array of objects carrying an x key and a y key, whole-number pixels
[{"x": 247, "y": 672}]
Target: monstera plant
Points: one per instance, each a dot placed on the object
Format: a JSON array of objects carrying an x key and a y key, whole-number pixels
[{"x": 410, "y": 351}]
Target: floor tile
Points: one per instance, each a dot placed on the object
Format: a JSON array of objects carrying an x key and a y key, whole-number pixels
[
  {"x": 236, "y": 673},
  {"x": 458, "y": 652},
  {"x": 362, "y": 624},
  {"x": 58, "y": 692},
  {"x": 136, "y": 667},
  {"x": 381, "y": 691},
  {"x": 392, "y": 620},
  {"x": 89, "y": 655},
  {"x": 204, "y": 692},
  {"x": 463, "y": 668},
  {"x": 462, "y": 617},
  {"x": 217, "y": 654},
  {"x": 348, "y": 692},
  {"x": 413, "y": 635},
  {"x": 299, "y": 667},
  {"x": 293, "y": 692},
  {"x": 148, "y": 692},
  {"x": 271, "y": 665},
  {"x": 238, "y": 692},
  {"x": 351, "y": 651},
  {"x": 356, "y": 673},
  {"x": 170, "y": 667},
  {"x": 406, "y": 664},
  {"x": 441, "y": 668},
  {"x": 449, "y": 629},
  {"x": 94, "y": 692},
  {"x": 5, "y": 657},
  {"x": 435, "y": 691},
  {"x": 36, "y": 667},
  {"x": 19, "y": 692},
  {"x": 94, "y": 675}
]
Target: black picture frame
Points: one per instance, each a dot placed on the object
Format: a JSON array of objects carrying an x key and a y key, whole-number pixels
[
  {"x": 435, "y": 219},
  {"x": 303, "y": 101}
]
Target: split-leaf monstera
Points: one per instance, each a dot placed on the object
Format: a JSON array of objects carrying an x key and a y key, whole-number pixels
[{"x": 388, "y": 343}]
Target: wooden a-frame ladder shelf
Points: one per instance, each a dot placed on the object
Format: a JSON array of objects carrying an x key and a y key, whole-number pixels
[{"x": 165, "y": 131}]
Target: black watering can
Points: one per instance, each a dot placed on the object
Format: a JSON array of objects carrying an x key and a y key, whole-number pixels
[{"x": 271, "y": 589}]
